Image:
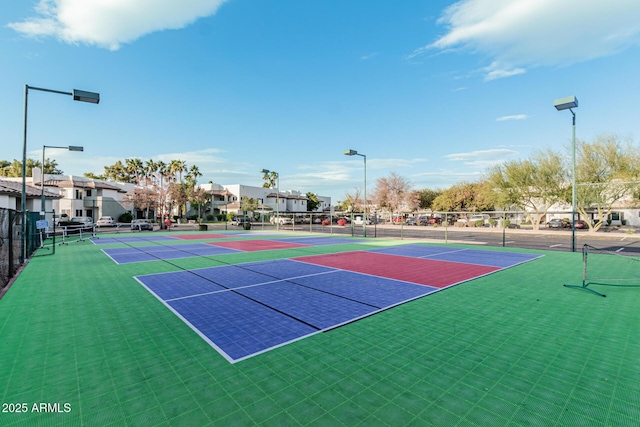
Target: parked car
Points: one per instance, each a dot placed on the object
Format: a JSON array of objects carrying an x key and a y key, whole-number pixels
[
  {"x": 83, "y": 221},
  {"x": 479, "y": 217},
  {"x": 62, "y": 218},
  {"x": 241, "y": 221},
  {"x": 105, "y": 221},
  {"x": 558, "y": 223},
  {"x": 282, "y": 220},
  {"x": 141, "y": 224},
  {"x": 434, "y": 220},
  {"x": 581, "y": 224}
]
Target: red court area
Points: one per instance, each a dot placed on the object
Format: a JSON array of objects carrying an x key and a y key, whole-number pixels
[
  {"x": 256, "y": 245},
  {"x": 439, "y": 274},
  {"x": 200, "y": 236}
]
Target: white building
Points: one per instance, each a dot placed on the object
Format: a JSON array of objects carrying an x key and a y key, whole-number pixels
[
  {"x": 11, "y": 196},
  {"x": 228, "y": 198},
  {"x": 76, "y": 196}
]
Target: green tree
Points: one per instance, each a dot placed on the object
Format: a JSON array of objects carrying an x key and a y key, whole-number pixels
[
  {"x": 533, "y": 185},
  {"x": 607, "y": 172},
  {"x": 422, "y": 199},
  {"x": 270, "y": 180},
  {"x": 464, "y": 197},
  {"x": 135, "y": 168},
  {"x": 94, "y": 176},
  {"x": 249, "y": 204},
  {"x": 118, "y": 172},
  {"x": 312, "y": 201},
  {"x": 14, "y": 169}
]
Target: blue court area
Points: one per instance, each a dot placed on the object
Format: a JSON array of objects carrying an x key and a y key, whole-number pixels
[
  {"x": 467, "y": 256},
  {"x": 130, "y": 254},
  {"x": 246, "y": 309},
  {"x": 130, "y": 239}
]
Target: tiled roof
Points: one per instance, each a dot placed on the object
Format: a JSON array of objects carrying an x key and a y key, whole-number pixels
[{"x": 15, "y": 188}]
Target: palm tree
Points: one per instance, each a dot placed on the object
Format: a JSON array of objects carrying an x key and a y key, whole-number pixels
[
  {"x": 135, "y": 169},
  {"x": 193, "y": 175},
  {"x": 178, "y": 167},
  {"x": 150, "y": 168}
]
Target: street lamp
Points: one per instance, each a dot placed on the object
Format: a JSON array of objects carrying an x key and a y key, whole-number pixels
[
  {"x": 70, "y": 148},
  {"x": 355, "y": 153},
  {"x": 267, "y": 171},
  {"x": 569, "y": 103},
  {"x": 78, "y": 95}
]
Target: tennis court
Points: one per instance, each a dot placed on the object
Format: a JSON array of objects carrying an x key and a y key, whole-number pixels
[{"x": 321, "y": 331}]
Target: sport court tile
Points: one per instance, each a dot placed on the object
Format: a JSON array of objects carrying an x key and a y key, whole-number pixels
[
  {"x": 164, "y": 252},
  {"x": 489, "y": 258},
  {"x": 423, "y": 271},
  {"x": 285, "y": 268},
  {"x": 202, "y": 236},
  {"x": 177, "y": 284},
  {"x": 416, "y": 251},
  {"x": 310, "y": 306},
  {"x": 468, "y": 256},
  {"x": 318, "y": 241},
  {"x": 237, "y": 326},
  {"x": 131, "y": 257},
  {"x": 256, "y": 245},
  {"x": 233, "y": 276},
  {"x": 130, "y": 239},
  {"x": 375, "y": 291}
]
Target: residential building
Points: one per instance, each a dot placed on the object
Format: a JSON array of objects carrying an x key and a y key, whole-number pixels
[
  {"x": 11, "y": 196},
  {"x": 77, "y": 196},
  {"x": 228, "y": 198}
]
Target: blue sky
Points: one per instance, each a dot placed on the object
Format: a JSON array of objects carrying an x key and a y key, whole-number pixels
[{"x": 435, "y": 91}]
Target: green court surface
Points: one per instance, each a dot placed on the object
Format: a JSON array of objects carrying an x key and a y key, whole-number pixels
[{"x": 80, "y": 335}]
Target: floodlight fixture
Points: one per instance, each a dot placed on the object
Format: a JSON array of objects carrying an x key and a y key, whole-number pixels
[
  {"x": 85, "y": 96},
  {"x": 566, "y": 103}
]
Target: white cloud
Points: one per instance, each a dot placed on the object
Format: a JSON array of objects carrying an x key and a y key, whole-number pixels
[
  {"x": 482, "y": 158},
  {"x": 369, "y": 56},
  {"x": 109, "y": 24},
  {"x": 514, "y": 117},
  {"x": 525, "y": 33}
]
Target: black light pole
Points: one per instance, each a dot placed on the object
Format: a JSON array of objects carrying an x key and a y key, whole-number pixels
[
  {"x": 569, "y": 103},
  {"x": 78, "y": 95},
  {"x": 355, "y": 153}
]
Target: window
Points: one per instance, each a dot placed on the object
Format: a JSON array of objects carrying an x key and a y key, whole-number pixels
[
  {"x": 78, "y": 212},
  {"x": 79, "y": 196},
  {"x": 88, "y": 193}
]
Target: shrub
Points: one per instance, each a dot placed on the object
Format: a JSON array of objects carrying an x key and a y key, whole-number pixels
[
  {"x": 326, "y": 222},
  {"x": 342, "y": 222},
  {"x": 125, "y": 217},
  {"x": 479, "y": 223},
  {"x": 209, "y": 217}
]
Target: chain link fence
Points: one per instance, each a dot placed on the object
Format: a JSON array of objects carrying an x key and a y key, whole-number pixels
[{"x": 10, "y": 245}]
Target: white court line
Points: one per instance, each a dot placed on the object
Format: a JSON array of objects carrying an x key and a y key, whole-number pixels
[
  {"x": 620, "y": 250},
  {"x": 250, "y": 286},
  {"x": 555, "y": 246}
]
